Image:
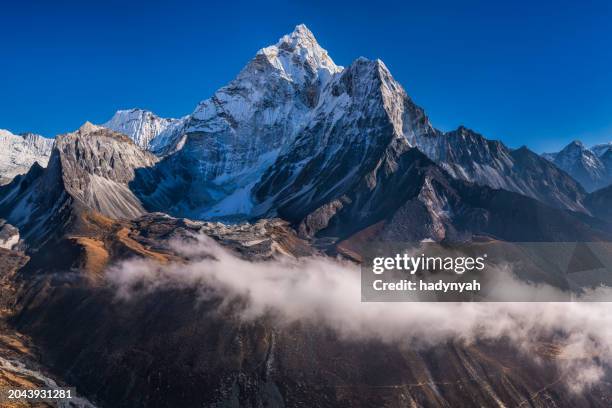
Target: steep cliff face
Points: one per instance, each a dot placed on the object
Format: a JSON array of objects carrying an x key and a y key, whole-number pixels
[
  {"x": 353, "y": 166},
  {"x": 219, "y": 161},
  {"x": 350, "y": 135},
  {"x": 37, "y": 203},
  {"x": 89, "y": 169},
  {"x": 97, "y": 168},
  {"x": 407, "y": 197},
  {"x": 222, "y": 148},
  {"x": 263, "y": 106}
]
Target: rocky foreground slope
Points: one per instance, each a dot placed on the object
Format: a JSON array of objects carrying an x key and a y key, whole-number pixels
[{"x": 190, "y": 345}]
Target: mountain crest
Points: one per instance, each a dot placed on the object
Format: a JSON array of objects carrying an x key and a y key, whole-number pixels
[
  {"x": 582, "y": 164},
  {"x": 300, "y": 37},
  {"x": 574, "y": 145},
  {"x": 292, "y": 114},
  {"x": 87, "y": 128},
  {"x": 299, "y": 57}
]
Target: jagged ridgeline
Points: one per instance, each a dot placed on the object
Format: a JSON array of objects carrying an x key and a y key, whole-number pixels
[
  {"x": 220, "y": 160},
  {"x": 245, "y": 149},
  {"x": 319, "y": 159},
  {"x": 328, "y": 148}
]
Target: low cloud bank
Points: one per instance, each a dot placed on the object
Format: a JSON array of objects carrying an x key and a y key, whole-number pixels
[{"x": 328, "y": 291}]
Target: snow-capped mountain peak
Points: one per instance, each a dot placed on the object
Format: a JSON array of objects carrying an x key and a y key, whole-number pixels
[
  {"x": 299, "y": 57},
  {"x": 19, "y": 152},
  {"x": 291, "y": 104},
  {"x": 575, "y": 146},
  {"x": 87, "y": 128},
  {"x": 577, "y": 151},
  {"x": 142, "y": 126},
  {"x": 275, "y": 89},
  {"x": 583, "y": 164}
]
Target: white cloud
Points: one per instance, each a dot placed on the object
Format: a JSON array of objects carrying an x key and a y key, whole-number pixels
[{"x": 327, "y": 291}]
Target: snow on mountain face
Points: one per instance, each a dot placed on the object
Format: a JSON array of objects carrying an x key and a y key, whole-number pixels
[
  {"x": 299, "y": 58},
  {"x": 592, "y": 168},
  {"x": 365, "y": 104},
  {"x": 465, "y": 154},
  {"x": 290, "y": 113},
  {"x": 19, "y": 152},
  {"x": 272, "y": 93},
  {"x": 352, "y": 166},
  {"x": 214, "y": 157},
  {"x": 140, "y": 125},
  {"x": 359, "y": 125},
  {"x": 223, "y": 147}
]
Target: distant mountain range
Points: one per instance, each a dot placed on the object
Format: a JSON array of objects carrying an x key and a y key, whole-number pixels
[{"x": 591, "y": 167}]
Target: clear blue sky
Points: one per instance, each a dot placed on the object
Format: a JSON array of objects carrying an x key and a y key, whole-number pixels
[{"x": 526, "y": 73}]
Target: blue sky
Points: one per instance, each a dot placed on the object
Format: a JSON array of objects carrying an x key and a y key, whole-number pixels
[{"x": 525, "y": 73}]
